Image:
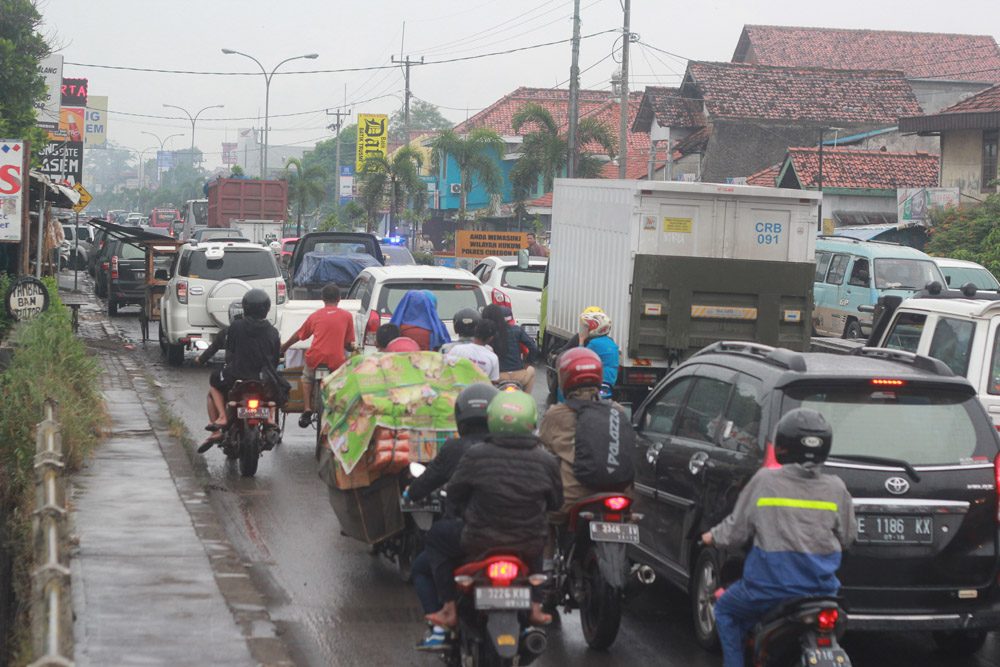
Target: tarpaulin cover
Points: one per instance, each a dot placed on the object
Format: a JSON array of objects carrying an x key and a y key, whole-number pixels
[
  {"x": 329, "y": 267},
  {"x": 415, "y": 390}
]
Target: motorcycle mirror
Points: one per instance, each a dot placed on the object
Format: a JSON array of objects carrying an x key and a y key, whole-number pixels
[{"x": 417, "y": 469}]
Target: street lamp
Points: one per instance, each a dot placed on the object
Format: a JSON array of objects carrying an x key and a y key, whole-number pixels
[
  {"x": 162, "y": 141},
  {"x": 193, "y": 119},
  {"x": 267, "y": 95}
]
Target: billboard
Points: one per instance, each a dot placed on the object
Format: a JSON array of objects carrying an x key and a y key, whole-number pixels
[
  {"x": 47, "y": 108},
  {"x": 229, "y": 153},
  {"x": 346, "y": 183},
  {"x": 72, "y": 124},
  {"x": 95, "y": 128},
  {"x": 74, "y": 92},
  {"x": 472, "y": 246},
  {"x": 11, "y": 189},
  {"x": 165, "y": 160},
  {"x": 63, "y": 161},
  {"x": 916, "y": 204},
  {"x": 373, "y": 137}
]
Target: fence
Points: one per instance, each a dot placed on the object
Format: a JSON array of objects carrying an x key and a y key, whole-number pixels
[{"x": 51, "y": 602}]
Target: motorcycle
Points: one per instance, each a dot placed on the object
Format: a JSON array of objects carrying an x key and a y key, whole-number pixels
[
  {"x": 493, "y": 606},
  {"x": 590, "y": 567},
  {"x": 802, "y": 631},
  {"x": 244, "y": 436},
  {"x": 509, "y": 385},
  {"x": 419, "y": 517}
]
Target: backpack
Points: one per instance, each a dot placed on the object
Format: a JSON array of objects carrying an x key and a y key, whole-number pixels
[{"x": 604, "y": 458}]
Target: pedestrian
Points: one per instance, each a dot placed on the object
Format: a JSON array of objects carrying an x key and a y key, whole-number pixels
[
  {"x": 332, "y": 331},
  {"x": 507, "y": 345},
  {"x": 536, "y": 249},
  {"x": 425, "y": 244},
  {"x": 417, "y": 318},
  {"x": 479, "y": 352}
]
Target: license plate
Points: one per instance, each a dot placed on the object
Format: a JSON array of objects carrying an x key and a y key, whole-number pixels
[
  {"x": 139, "y": 274},
  {"x": 895, "y": 529},
  {"x": 614, "y": 532},
  {"x": 421, "y": 506},
  {"x": 251, "y": 413},
  {"x": 826, "y": 657},
  {"x": 507, "y": 597}
]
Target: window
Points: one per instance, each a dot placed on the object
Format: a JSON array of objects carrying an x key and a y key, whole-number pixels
[
  {"x": 838, "y": 267},
  {"x": 485, "y": 274},
  {"x": 906, "y": 331},
  {"x": 860, "y": 275},
  {"x": 822, "y": 264},
  {"x": 990, "y": 140},
  {"x": 703, "y": 413},
  {"x": 525, "y": 279},
  {"x": 341, "y": 248},
  {"x": 129, "y": 251},
  {"x": 959, "y": 275},
  {"x": 451, "y": 297},
  {"x": 741, "y": 426},
  {"x": 911, "y": 274},
  {"x": 242, "y": 264},
  {"x": 952, "y": 343},
  {"x": 662, "y": 413}
]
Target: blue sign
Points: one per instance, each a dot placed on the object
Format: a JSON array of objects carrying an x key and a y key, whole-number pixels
[{"x": 347, "y": 170}]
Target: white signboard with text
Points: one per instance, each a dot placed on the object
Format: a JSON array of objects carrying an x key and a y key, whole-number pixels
[
  {"x": 12, "y": 180},
  {"x": 47, "y": 108}
]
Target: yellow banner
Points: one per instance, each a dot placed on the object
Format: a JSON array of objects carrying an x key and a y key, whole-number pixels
[
  {"x": 677, "y": 225},
  {"x": 373, "y": 137},
  {"x": 486, "y": 244}
]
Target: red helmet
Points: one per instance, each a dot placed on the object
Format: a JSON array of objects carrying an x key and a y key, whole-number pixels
[
  {"x": 402, "y": 344},
  {"x": 579, "y": 367}
]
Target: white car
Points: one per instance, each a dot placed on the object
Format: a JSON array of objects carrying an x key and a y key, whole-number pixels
[
  {"x": 204, "y": 279},
  {"x": 522, "y": 286},
  {"x": 959, "y": 271},
  {"x": 378, "y": 289}
]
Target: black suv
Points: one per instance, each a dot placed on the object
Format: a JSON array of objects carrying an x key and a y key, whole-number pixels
[{"x": 914, "y": 445}]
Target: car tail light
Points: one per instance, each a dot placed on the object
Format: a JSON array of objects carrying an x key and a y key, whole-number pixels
[
  {"x": 827, "y": 619},
  {"x": 888, "y": 383},
  {"x": 114, "y": 266},
  {"x": 252, "y": 403},
  {"x": 617, "y": 503},
  {"x": 996, "y": 483},
  {"x": 770, "y": 460},
  {"x": 641, "y": 377},
  {"x": 374, "y": 322},
  {"x": 500, "y": 299},
  {"x": 501, "y": 572},
  {"x": 282, "y": 292},
  {"x": 182, "y": 291}
]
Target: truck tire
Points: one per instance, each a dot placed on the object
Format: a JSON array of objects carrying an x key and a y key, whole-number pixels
[{"x": 852, "y": 330}]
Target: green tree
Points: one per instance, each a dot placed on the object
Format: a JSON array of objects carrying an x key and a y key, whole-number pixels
[
  {"x": 397, "y": 176},
  {"x": 305, "y": 187},
  {"x": 423, "y": 116},
  {"x": 325, "y": 155},
  {"x": 544, "y": 152},
  {"x": 21, "y": 85},
  {"x": 477, "y": 154},
  {"x": 968, "y": 232}
]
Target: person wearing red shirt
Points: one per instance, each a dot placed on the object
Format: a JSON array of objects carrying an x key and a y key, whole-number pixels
[{"x": 332, "y": 331}]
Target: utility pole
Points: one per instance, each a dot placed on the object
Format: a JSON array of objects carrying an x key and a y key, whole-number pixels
[
  {"x": 406, "y": 96},
  {"x": 574, "y": 95},
  {"x": 338, "y": 113},
  {"x": 623, "y": 129}
]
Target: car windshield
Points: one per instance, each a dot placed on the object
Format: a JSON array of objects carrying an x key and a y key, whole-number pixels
[
  {"x": 527, "y": 279},
  {"x": 396, "y": 255},
  {"x": 451, "y": 297},
  {"x": 341, "y": 248},
  {"x": 959, "y": 275},
  {"x": 897, "y": 273},
  {"x": 242, "y": 264},
  {"x": 918, "y": 424}
]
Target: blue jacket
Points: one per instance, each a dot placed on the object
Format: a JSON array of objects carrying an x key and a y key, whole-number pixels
[{"x": 510, "y": 359}]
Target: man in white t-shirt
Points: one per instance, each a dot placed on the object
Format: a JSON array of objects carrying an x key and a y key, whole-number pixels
[{"x": 477, "y": 351}]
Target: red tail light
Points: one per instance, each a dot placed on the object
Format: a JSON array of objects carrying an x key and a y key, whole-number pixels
[
  {"x": 827, "y": 618},
  {"x": 252, "y": 403},
  {"x": 617, "y": 503},
  {"x": 500, "y": 299},
  {"x": 182, "y": 291},
  {"x": 996, "y": 485},
  {"x": 282, "y": 292},
  {"x": 501, "y": 572},
  {"x": 770, "y": 460},
  {"x": 374, "y": 322},
  {"x": 888, "y": 383},
  {"x": 114, "y": 266}
]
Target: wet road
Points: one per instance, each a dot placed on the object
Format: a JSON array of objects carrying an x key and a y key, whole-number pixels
[{"x": 337, "y": 605}]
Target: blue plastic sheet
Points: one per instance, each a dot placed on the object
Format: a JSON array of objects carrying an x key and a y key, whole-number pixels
[{"x": 329, "y": 267}]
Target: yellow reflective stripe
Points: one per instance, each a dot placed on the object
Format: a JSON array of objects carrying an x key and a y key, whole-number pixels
[{"x": 794, "y": 502}]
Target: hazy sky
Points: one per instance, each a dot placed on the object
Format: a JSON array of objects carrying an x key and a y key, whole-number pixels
[{"x": 189, "y": 35}]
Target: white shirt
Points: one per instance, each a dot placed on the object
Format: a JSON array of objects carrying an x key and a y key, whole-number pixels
[{"x": 481, "y": 356}]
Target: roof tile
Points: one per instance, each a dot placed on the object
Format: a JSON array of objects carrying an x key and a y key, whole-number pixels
[
  {"x": 848, "y": 168},
  {"x": 768, "y": 177}
]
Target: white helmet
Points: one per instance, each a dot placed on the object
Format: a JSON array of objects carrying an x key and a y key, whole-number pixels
[{"x": 595, "y": 324}]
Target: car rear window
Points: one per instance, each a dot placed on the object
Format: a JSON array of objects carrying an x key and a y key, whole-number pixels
[
  {"x": 920, "y": 424},
  {"x": 959, "y": 275},
  {"x": 129, "y": 251},
  {"x": 241, "y": 264},
  {"x": 451, "y": 297},
  {"x": 526, "y": 279}
]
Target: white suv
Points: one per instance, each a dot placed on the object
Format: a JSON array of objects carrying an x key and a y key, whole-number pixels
[
  {"x": 204, "y": 280},
  {"x": 523, "y": 286}
]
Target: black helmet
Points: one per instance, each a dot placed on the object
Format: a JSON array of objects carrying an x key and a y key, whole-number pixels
[
  {"x": 471, "y": 404},
  {"x": 804, "y": 435},
  {"x": 256, "y": 304},
  {"x": 466, "y": 321}
]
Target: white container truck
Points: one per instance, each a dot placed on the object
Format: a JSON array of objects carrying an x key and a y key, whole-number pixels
[
  {"x": 678, "y": 266},
  {"x": 259, "y": 231}
]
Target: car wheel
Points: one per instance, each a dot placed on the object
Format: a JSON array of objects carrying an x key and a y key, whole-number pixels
[
  {"x": 705, "y": 581},
  {"x": 852, "y": 330},
  {"x": 959, "y": 642},
  {"x": 112, "y": 307},
  {"x": 163, "y": 339},
  {"x": 175, "y": 354}
]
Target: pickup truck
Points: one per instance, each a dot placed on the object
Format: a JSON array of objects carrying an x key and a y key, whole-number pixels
[{"x": 319, "y": 249}]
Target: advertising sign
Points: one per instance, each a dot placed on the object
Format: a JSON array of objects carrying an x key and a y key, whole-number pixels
[
  {"x": 11, "y": 189},
  {"x": 229, "y": 152},
  {"x": 74, "y": 92},
  {"x": 26, "y": 297},
  {"x": 165, "y": 160},
  {"x": 63, "y": 161},
  {"x": 373, "y": 137},
  {"x": 346, "y": 183},
  {"x": 916, "y": 204},
  {"x": 471, "y": 246},
  {"x": 95, "y": 134},
  {"x": 47, "y": 108},
  {"x": 72, "y": 124}
]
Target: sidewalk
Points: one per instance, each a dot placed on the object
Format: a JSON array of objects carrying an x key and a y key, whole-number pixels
[{"x": 154, "y": 580}]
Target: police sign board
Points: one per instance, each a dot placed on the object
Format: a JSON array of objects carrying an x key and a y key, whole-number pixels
[
  {"x": 11, "y": 189},
  {"x": 26, "y": 297}
]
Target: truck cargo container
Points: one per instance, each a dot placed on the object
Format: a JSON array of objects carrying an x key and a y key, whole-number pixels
[{"x": 242, "y": 199}]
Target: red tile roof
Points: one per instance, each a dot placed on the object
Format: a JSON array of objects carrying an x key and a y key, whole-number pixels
[
  {"x": 985, "y": 100},
  {"x": 693, "y": 143},
  {"x": 880, "y": 170},
  {"x": 737, "y": 90},
  {"x": 499, "y": 114},
  {"x": 768, "y": 177},
  {"x": 545, "y": 201},
  {"x": 919, "y": 55},
  {"x": 670, "y": 109}
]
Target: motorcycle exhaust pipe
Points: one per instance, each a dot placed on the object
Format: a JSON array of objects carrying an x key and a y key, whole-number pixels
[
  {"x": 533, "y": 644},
  {"x": 646, "y": 574}
]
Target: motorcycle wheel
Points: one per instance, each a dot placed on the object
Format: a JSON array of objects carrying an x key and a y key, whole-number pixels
[
  {"x": 704, "y": 584},
  {"x": 601, "y": 609},
  {"x": 249, "y": 452},
  {"x": 409, "y": 547}
]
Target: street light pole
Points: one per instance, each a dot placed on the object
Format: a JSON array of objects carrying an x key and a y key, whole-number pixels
[
  {"x": 267, "y": 95},
  {"x": 162, "y": 141},
  {"x": 193, "y": 119}
]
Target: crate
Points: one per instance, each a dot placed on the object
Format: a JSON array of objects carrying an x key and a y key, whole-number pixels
[
  {"x": 368, "y": 513},
  {"x": 296, "y": 402}
]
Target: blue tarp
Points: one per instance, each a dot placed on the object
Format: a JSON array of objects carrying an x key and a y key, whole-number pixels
[{"x": 330, "y": 267}]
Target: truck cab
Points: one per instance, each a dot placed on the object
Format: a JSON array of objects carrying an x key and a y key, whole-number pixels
[{"x": 327, "y": 257}]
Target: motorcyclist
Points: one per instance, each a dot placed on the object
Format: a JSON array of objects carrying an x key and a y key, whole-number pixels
[
  {"x": 470, "y": 419},
  {"x": 464, "y": 321},
  {"x": 216, "y": 392},
  {"x": 479, "y": 352},
  {"x": 506, "y": 485},
  {"x": 595, "y": 334},
  {"x": 800, "y": 520},
  {"x": 252, "y": 349}
]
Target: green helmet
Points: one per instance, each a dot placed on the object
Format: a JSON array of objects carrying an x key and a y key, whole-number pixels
[{"x": 512, "y": 413}]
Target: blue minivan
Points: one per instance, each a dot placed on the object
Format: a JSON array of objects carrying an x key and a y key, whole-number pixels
[{"x": 852, "y": 273}]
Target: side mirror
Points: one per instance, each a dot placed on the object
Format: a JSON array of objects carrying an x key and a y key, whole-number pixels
[{"x": 522, "y": 259}]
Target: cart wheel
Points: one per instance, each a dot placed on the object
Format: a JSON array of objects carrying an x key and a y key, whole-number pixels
[{"x": 143, "y": 326}]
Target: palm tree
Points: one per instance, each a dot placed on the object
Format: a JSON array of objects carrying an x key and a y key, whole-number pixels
[
  {"x": 478, "y": 154},
  {"x": 544, "y": 151},
  {"x": 400, "y": 176},
  {"x": 305, "y": 187}
]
